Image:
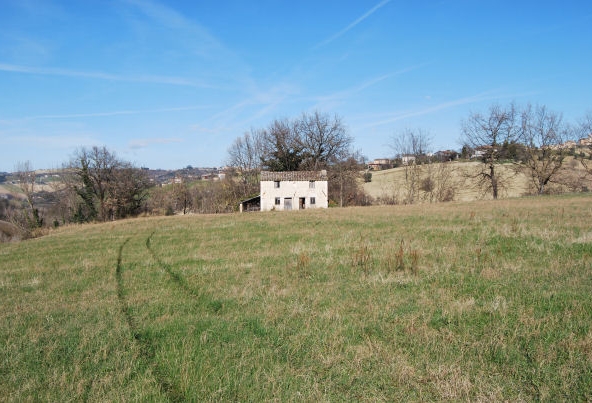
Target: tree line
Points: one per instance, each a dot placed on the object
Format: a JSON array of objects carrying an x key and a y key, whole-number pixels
[
  {"x": 535, "y": 134},
  {"x": 96, "y": 185},
  {"x": 312, "y": 141},
  {"x": 530, "y": 140}
]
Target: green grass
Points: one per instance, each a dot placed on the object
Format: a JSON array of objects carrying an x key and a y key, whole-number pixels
[{"x": 457, "y": 301}]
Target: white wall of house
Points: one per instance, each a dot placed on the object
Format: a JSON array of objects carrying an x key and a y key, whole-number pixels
[{"x": 294, "y": 195}]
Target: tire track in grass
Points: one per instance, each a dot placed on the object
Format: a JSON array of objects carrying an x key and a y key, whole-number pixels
[
  {"x": 147, "y": 347},
  {"x": 120, "y": 295},
  {"x": 176, "y": 277},
  {"x": 202, "y": 298}
]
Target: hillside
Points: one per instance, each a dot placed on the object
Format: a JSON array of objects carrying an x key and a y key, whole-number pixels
[
  {"x": 452, "y": 301},
  {"x": 390, "y": 183}
]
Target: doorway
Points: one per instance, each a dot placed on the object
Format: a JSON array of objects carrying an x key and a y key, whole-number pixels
[{"x": 288, "y": 203}]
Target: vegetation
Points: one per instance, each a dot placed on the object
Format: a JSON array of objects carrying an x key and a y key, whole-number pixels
[
  {"x": 485, "y": 300},
  {"x": 509, "y": 151},
  {"x": 453, "y": 181},
  {"x": 486, "y": 134},
  {"x": 312, "y": 141},
  {"x": 100, "y": 186},
  {"x": 542, "y": 131},
  {"x": 411, "y": 148}
]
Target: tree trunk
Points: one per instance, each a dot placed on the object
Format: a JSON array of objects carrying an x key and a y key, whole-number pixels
[{"x": 493, "y": 181}]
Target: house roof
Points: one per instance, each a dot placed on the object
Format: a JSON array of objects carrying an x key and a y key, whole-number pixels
[
  {"x": 251, "y": 199},
  {"x": 294, "y": 176}
]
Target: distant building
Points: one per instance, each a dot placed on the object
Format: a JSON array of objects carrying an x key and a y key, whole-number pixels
[
  {"x": 446, "y": 155},
  {"x": 482, "y": 151},
  {"x": 380, "y": 163},
  {"x": 407, "y": 159},
  {"x": 586, "y": 141}
]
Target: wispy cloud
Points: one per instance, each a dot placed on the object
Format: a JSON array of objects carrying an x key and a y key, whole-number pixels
[
  {"x": 484, "y": 96},
  {"x": 194, "y": 40},
  {"x": 137, "y": 144},
  {"x": 259, "y": 104},
  {"x": 117, "y": 113},
  {"x": 58, "y": 141},
  {"x": 353, "y": 24},
  {"x": 342, "y": 96},
  {"x": 49, "y": 71}
]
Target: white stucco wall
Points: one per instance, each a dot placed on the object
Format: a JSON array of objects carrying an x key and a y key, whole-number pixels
[{"x": 294, "y": 190}]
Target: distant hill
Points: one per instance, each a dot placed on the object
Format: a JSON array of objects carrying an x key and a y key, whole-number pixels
[{"x": 389, "y": 186}]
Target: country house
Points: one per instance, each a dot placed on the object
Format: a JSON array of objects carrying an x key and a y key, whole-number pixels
[{"x": 294, "y": 190}]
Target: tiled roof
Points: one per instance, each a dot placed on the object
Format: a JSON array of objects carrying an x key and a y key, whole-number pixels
[{"x": 294, "y": 176}]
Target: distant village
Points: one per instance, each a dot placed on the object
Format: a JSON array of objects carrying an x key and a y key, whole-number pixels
[
  {"x": 379, "y": 164},
  {"x": 158, "y": 177}
]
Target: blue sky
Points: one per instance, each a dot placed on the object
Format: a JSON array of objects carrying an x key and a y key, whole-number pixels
[{"x": 171, "y": 84}]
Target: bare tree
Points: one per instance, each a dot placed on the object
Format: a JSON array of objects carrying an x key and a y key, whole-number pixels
[
  {"x": 246, "y": 152},
  {"x": 344, "y": 180},
  {"x": 412, "y": 143},
  {"x": 31, "y": 216},
  {"x": 311, "y": 142},
  {"x": 282, "y": 149},
  {"x": 107, "y": 187},
  {"x": 585, "y": 125},
  {"x": 323, "y": 139},
  {"x": 245, "y": 155},
  {"x": 411, "y": 148},
  {"x": 486, "y": 134},
  {"x": 94, "y": 169},
  {"x": 584, "y": 130},
  {"x": 441, "y": 183},
  {"x": 128, "y": 191},
  {"x": 26, "y": 180},
  {"x": 182, "y": 196},
  {"x": 542, "y": 132}
]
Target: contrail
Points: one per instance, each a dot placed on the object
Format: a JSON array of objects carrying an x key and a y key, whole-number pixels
[
  {"x": 353, "y": 24},
  {"x": 97, "y": 75}
]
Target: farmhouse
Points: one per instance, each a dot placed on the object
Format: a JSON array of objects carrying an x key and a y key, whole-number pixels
[
  {"x": 407, "y": 159},
  {"x": 380, "y": 163},
  {"x": 294, "y": 190}
]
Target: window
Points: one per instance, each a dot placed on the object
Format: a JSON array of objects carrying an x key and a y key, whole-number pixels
[
  {"x": 276, "y": 184},
  {"x": 277, "y": 201},
  {"x": 312, "y": 200},
  {"x": 311, "y": 184}
]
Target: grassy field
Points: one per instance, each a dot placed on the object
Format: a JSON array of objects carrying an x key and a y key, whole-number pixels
[{"x": 456, "y": 301}]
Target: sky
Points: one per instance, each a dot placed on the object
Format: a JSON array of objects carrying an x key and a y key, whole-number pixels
[{"x": 167, "y": 84}]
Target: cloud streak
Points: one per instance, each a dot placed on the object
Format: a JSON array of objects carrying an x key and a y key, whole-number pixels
[
  {"x": 484, "y": 96},
  {"x": 137, "y": 144},
  {"x": 353, "y": 24},
  {"x": 193, "y": 39},
  {"x": 116, "y": 113},
  {"x": 62, "y": 141},
  {"x": 50, "y": 71},
  {"x": 348, "y": 93}
]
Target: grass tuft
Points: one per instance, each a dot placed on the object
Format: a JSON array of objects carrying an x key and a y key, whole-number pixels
[{"x": 361, "y": 258}]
